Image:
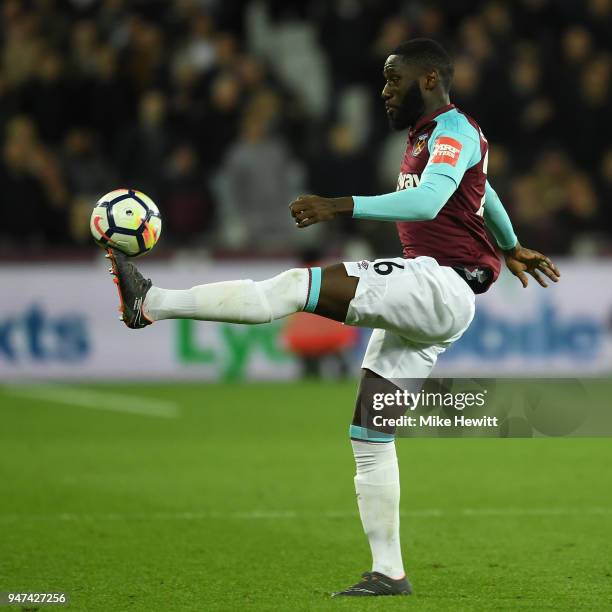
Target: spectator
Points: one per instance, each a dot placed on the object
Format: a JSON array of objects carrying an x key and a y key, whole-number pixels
[
  {"x": 47, "y": 99},
  {"x": 144, "y": 146},
  {"x": 555, "y": 190},
  {"x": 199, "y": 49},
  {"x": 257, "y": 181},
  {"x": 185, "y": 199},
  {"x": 144, "y": 58},
  {"x": 29, "y": 176},
  {"x": 87, "y": 171},
  {"x": 220, "y": 123},
  {"x": 467, "y": 93},
  {"x": 108, "y": 104},
  {"x": 341, "y": 168}
]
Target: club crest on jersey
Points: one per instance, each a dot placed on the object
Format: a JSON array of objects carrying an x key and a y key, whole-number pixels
[{"x": 419, "y": 145}]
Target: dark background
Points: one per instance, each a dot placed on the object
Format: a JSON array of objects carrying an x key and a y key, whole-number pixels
[{"x": 223, "y": 111}]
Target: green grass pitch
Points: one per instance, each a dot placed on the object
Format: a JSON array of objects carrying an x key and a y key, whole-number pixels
[{"x": 244, "y": 501}]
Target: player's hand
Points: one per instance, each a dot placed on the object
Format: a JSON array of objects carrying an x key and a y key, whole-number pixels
[
  {"x": 522, "y": 261},
  {"x": 310, "y": 209}
]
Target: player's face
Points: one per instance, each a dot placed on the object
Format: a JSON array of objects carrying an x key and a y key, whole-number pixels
[{"x": 404, "y": 101}]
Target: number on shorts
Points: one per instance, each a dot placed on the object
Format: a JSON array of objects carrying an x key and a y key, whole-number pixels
[{"x": 386, "y": 267}]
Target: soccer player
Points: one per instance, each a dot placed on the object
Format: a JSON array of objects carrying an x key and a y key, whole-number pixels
[{"x": 417, "y": 305}]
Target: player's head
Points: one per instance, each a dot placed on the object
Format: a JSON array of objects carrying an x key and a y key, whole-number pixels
[{"x": 416, "y": 70}]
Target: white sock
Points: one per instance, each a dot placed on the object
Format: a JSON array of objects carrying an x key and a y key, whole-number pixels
[
  {"x": 241, "y": 301},
  {"x": 378, "y": 495}
]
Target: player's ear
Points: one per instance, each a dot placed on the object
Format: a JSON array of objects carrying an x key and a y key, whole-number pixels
[{"x": 429, "y": 80}]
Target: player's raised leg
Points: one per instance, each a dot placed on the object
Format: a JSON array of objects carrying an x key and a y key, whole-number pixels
[{"x": 326, "y": 292}]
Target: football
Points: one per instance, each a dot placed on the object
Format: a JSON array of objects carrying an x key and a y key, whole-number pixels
[{"x": 127, "y": 220}]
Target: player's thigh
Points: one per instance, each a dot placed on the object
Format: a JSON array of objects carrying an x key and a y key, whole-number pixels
[
  {"x": 414, "y": 298},
  {"x": 337, "y": 291},
  {"x": 397, "y": 358}
]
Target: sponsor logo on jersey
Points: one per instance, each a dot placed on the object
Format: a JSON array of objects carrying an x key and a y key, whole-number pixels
[
  {"x": 419, "y": 145},
  {"x": 406, "y": 180},
  {"x": 446, "y": 151}
]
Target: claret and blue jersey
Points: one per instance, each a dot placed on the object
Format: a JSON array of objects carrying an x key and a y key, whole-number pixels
[
  {"x": 442, "y": 188},
  {"x": 454, "y": 147}
]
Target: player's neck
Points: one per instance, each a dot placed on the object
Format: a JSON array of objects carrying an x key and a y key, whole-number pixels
[{"x": 434, "y": 104}]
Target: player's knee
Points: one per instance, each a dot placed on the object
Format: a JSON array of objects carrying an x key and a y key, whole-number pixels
[
  {"x": 288, "y": 277},
  {"x": 286, "y": 292},
  {"x": 369, "y": 424}
]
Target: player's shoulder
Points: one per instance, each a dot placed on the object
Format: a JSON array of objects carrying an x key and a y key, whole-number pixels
[{"x": 457, "y": 122}]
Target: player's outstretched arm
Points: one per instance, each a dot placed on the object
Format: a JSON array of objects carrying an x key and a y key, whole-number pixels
[{"x": 421, "y": 203}]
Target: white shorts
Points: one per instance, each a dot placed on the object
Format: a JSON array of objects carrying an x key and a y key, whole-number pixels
[{"x": 417, "y": 309}]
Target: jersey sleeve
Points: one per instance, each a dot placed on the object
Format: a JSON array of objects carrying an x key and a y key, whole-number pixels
[
  {"x": 452, "y": 151},
  {"x": 422, "y": 203},
  {"x": 497, "y": 220}
]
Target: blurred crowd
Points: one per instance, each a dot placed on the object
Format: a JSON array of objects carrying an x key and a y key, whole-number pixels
[{"x": 224, "y": 110}]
